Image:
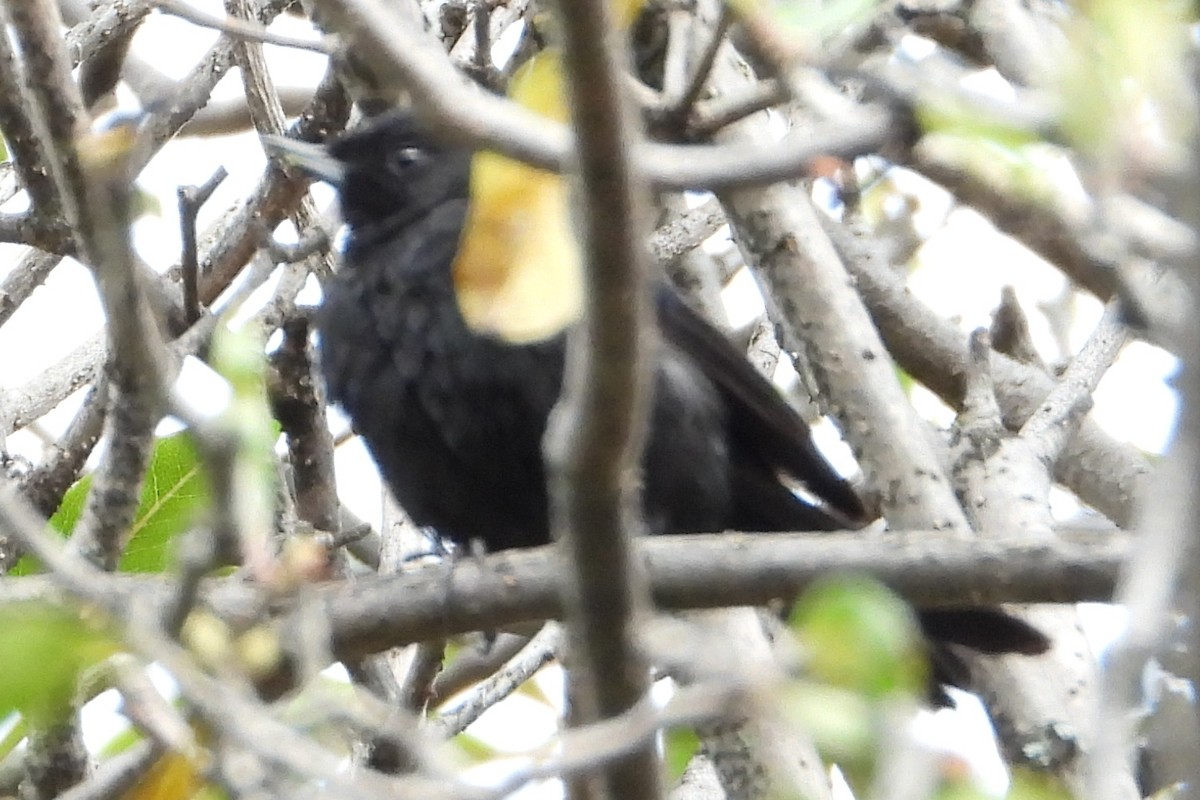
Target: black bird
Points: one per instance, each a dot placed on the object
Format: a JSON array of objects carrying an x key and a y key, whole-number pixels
[{"x": 454, "y": 416}]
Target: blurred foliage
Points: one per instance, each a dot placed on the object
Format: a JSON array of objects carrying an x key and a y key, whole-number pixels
[
  {"x": 44, "y": 650},
  {"x": 209, "y": 638},
  {"x": 860, "y": 636},
  {"x": 146, "y": 204},
  {"x": 1125, "y": 81},
  {"x": 964, "y": 121},
  {"x": 472, "y": 749},
  {"x": 804, "y": 24},
  {"x": 864, "y": 671},
  {"x": 239, "y": 358},
  {"x": 173, "y": 777},
  {"x": 1010, "y": 159},
  {"x": 1025, "y": 784},
  {"x": 842, "y": 724}
]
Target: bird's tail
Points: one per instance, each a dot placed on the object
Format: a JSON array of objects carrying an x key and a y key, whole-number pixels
[
  {"x": 985, "y": 630},
  {"x": 765, "y": 504}
]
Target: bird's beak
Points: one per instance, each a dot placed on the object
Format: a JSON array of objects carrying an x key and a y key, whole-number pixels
[{"x": 311, "y": 159}]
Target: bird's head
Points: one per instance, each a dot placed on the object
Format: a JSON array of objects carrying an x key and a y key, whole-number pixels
[
  {"x": 517, "y": 272},
  {"x": 390, "y": 172}
]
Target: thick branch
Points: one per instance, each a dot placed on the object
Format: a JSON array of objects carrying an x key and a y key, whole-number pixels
[
  {"x": 930, "y": 568},
  {"x": 1104, "y": 473},
  {"x": 371, "y": 614},
  {"x": 595, "y": 435}
]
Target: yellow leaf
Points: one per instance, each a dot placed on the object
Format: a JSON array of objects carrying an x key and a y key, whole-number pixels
[
  {"x": 172, "y": 777},
  {"x": 518, "y": 274}
]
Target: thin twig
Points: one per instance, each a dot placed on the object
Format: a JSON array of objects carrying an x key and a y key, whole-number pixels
[
  {"x": 29, "y": 273},
  {"x": 416, "y": 690},
  {"x": 1057, "y": 419},
  {"x": 46, "y": 485},
  {"x": 686, "y": 232},
  {"x": 19, "y": 134},
  {"x": 1010, "y": 331},
  {"x": 76, "y": 576},
  {"x": 703, "y": 66},
  {"x": 713, "y": 115},
  {"x": 243, "y": 30},
  {"x": 118, "y": 775},
  {"x": 538, "y": 652},
  {"x": 191, "y": 199},
  {"x": 476, "y": 660}
]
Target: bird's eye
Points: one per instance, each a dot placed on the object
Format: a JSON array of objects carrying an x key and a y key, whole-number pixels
[{"x": 405, "y": 157}]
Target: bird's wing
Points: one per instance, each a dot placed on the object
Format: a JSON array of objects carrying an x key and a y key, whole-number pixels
[{"x": 757, "y": 411}]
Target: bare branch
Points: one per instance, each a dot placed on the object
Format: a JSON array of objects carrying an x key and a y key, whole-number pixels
[
  {"x": 596, "y": 432},
  {"x": 409, "y": 59},
  {"x": 1059, "y": 416},
  {"x": 933, "y": 351},
  {"x": 241, "y": 29},
  {"x": 191, "y": 199},
  {"x": 715, "y": 571},
  {"x": 780, "y": 232},
  {"x": 1041, "y": 707},
  {"x": 1010, "y": 331},
  {"x": 118, "y": 775},
  {"x": 1162, "y": 583},
  {"x": 46, "y": 484},
  {"x": 537, "y": 653},
  {"x": 371, "y": 614},
  {"x": 20, "y": 135},
  {"x": 30, "y": 273}
]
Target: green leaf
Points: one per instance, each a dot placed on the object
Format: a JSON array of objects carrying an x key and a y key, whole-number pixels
[
  {"x": 858, "y": 635},
  {"x": 43, "y": 651},
  {"x": 174, "y": 490},
  {"x": 681, "y": 744}
]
